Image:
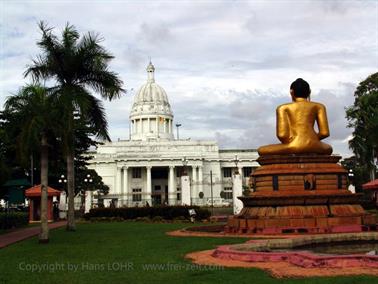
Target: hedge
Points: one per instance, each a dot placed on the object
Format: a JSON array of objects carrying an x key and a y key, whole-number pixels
[
  {"x": 165, "y": 212},
  {"x": 13, "y": 220}
]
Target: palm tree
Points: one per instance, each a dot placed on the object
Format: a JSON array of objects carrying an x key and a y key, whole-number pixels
[
  {"x": 33, "y": 112},
  {"x": 76, "y": 65}
]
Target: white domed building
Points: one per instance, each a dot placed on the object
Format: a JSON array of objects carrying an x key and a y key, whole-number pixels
[
  {"x": 151, "y": 116},
  {"x": 148, "y": 167}
]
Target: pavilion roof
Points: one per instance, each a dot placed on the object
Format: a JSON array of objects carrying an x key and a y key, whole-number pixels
[
  {"x": 36, "y": 191},
  {"x": 373, "y": 185}
]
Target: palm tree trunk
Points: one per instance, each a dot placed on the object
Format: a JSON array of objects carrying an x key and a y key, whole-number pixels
[
  {"x": 71, "y": 192},
  {"x": 44, "y": 234}
]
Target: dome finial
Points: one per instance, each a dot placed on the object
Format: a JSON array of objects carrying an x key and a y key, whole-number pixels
[{"x": 150, "y": 72}]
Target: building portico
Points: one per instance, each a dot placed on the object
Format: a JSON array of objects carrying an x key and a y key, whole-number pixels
[{"x": 157, "y": 183}]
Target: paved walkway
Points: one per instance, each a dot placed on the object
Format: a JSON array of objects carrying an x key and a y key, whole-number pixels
[{"x": 25, "y": 233}]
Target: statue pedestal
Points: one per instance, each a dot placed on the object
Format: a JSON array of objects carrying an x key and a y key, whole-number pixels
[{"x": 299, "y": 194}]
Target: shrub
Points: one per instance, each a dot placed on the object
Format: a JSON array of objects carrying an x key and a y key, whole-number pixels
[
  {"x": 246, "y": 192},
  {"x": 13, "y": 220},
  {"x": 157, "y": 219},
  {"x": 164, "y": 212},
  {"x": 143, "y": 219},
  {"x": 180, "y": 219}
]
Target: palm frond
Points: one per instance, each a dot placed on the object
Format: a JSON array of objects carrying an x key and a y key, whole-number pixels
[
  {"x": 70, "y": 36},
  {"x": 105, "y": 82}
]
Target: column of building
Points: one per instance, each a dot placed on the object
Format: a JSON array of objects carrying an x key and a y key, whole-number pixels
[
  {"x": 118, "y": 183},
  {"x": 200, "y": 180},
  {"x": 147, "y": 196},
  {"x": 171, "y": 186},
  {"x": 193, "y": 193},
  {"x": 125, "y": 189}
]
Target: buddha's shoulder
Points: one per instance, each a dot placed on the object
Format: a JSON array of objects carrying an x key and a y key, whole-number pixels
[
  {"x": 295, "y": 104},
  {"x": 285, "y": 106},
  {"x": 316, "y": 104}
]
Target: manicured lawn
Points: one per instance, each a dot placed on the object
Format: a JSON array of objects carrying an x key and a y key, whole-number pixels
[{"x": 135, "y": 245}]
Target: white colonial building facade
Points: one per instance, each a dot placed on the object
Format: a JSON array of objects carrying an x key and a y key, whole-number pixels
[{"x": 148, "y": 167}]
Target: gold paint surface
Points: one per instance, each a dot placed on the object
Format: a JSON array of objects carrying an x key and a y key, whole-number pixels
[{"x": 295, "y": 129}]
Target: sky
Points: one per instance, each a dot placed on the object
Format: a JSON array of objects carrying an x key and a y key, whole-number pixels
[{"x": 225, "y": 65}]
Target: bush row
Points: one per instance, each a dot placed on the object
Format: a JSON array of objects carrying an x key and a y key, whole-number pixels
[
  {"x": 13, "y": 220},
  {"x": 165, "y": 212}
]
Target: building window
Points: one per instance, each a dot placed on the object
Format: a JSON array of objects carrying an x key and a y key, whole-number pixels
[
  {"x": 157, "y": 188},
  {"x": 227, "y": 193},
  {"x": 179, "y": 196},
  {"x": 247, "y": 171},
  {"x": 137, "y": 194},
  {"x": 227, "y": 172},
  {"x": 137, "y": 172}
]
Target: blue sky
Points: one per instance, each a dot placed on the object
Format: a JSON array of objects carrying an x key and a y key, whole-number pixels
[{"x": 225, "y": 65}]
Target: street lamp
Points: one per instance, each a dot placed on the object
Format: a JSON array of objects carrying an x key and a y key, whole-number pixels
[
  {"x": 177, "y": 127},
  {"x": 236, "y": 161},
  {"x": 351, "y": 174},
  {"x": 62, "y": 180},
  {"x": 87, "y": 180}
]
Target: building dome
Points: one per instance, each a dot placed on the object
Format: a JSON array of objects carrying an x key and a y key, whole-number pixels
[{"x": 151, "y": 116}]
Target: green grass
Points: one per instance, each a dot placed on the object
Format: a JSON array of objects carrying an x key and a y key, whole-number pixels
[{"x": 128, "y": 242}]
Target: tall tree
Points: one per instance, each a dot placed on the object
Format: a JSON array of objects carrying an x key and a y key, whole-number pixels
[
  {"x": 4, "y": 148},
  {"x": 76, "y": 65},
  {"x": 363, "y": 118},
  {"x": 34, "y": 112}
]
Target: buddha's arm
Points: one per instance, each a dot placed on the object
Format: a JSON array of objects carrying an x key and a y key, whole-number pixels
[
  {"x": 322, "y": 121},
  {"x": 282, "y": 124}
]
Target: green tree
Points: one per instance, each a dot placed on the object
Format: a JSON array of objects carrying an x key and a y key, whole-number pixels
[
  {"x": 359, "y": 175},
  {"x": 83, "y": 142},
  {"x": 34, "y": 112},
  {"x": 363, "y": 118},
  {"x": 76, "y": 65},
  {"x": 4, "y": 146}
]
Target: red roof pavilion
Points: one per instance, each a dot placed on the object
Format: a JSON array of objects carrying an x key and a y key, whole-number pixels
[
  {"x": 36, "y": 191},
  {"x": 34, "y": 196}
]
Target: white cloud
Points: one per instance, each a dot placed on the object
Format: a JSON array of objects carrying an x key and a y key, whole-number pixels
[{"x": 225, "y": 65}]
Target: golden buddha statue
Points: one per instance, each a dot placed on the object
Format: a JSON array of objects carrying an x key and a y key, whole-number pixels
[{"x": 295, "y": 125}]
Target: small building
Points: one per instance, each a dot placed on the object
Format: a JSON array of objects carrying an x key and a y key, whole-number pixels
[
  {"x": 15, "y": 191},
  {"x": 372, "y": 187},
  {"x": 34, "y": 196}
]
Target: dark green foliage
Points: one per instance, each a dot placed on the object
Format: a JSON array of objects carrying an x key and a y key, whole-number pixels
[
  {"x": 360, "y": 173},
  {"x": 15, "y": 160},
  {"x": 363, "y": 118},
  {"x": 5, "y": 167},
  {"x": 13, "y": 220},
  {"x": 165, "y": 212}
]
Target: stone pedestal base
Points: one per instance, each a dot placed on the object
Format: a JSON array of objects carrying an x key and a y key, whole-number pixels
[{"x": 300, "y": 194}]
